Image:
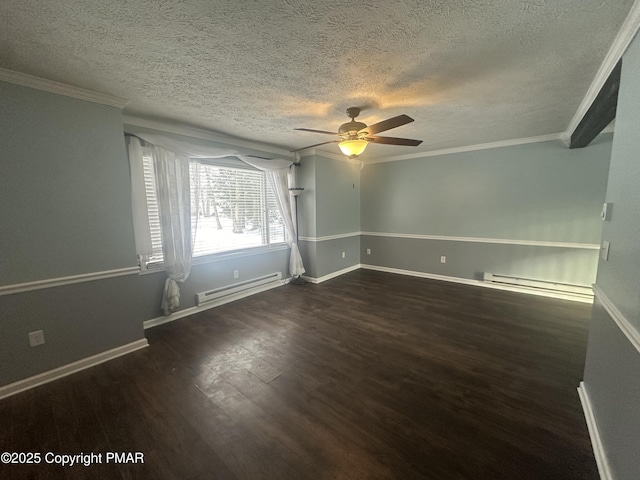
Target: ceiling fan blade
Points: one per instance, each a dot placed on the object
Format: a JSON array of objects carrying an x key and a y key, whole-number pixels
[
  {"x": 316, "y": 131},
  {"x": 316, "y": 145},
  {"x": 395, "y": 141},
  {"x": 388, "y": 124}
]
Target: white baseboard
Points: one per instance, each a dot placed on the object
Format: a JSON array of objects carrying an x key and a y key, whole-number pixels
[
  {"x": 60, "y": 372},
  {"x": 480, "y": 283},
  {"x": 154, "y": 322},
  {"x": 596, "y": 442},
  {"x": 332, "y": 275}
]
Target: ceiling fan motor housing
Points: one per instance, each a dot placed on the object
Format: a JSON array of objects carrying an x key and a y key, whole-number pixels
[{"x": 351, "y": 127}]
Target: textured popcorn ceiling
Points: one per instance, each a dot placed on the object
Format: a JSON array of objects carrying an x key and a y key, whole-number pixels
[{"x": 468, "y": 71}]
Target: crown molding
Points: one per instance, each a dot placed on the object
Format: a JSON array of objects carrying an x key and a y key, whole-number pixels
[
  {"x": 26, "y": 80},
  {"x": 189, "y": 131},
  {"x": 447, "y": 151},
  {"x": 626, "y": 34},
  {"x": 470, "y": 148}
]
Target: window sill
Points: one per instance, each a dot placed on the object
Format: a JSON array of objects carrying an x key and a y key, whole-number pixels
[{"x": 220, "y": 257}]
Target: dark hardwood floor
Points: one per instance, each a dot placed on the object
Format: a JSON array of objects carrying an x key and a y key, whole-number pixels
[{"x": 366, "y": 376}]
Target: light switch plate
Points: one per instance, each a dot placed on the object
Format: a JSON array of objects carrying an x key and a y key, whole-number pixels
[
  {"x": 607, "y": 210},
  {"x": 604, "y": 251}
]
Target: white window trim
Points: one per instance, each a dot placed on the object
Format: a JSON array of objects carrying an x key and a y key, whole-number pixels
[
  {"x": 155, "y": 267},
  {"x": 147, "y": 267}
]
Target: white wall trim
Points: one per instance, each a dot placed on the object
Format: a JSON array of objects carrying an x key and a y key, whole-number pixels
[
  {"x": 26, "y": 80},
  {"x": 562, "y": 136},
  {"x": 623, "y": 323},
  {"x": 60, "y": 281},
  {"x": 332, "y": 275},
  {"x": 154, "y": 322},
  {"x": 596, "y": 442},
  {"x": 469, "y": 148},
  {"x": 157, "y": 267},
  {"x": 479, "y": 283},
  {"x": 65, "y": 370},
  {"x": 626, "y": 34},
  {"x": 189, "y": 131},
  {"x": 504, "y": 241},
  {"x": 330, "y": 237}
]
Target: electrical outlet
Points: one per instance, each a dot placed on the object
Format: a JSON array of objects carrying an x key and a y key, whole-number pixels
[
  {"x": 368, "y": 251},
  {"x": 344, "y": 255},
  {"x": 236, "y": 274},
  {"x": 36, "y": 338},
  {"x": 443, "y": 259}
]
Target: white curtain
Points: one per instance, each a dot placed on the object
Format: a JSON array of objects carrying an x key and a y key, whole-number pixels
[
  {"x": 277, "y": 171},
  {"x": 278, "y": 179},
  {"x": 177, "y": 191},
  {"x": 139, "y": 202}
]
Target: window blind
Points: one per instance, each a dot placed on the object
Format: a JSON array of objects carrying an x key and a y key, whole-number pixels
[{"x": 237, "y": 209}]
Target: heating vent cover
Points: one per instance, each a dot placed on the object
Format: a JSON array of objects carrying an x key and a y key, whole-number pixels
[{"x": 239, "y": 290}]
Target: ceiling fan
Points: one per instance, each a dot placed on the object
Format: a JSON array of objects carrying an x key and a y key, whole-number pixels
[{"x": 355, "y": 136}]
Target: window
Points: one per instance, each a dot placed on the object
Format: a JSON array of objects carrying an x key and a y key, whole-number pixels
[{"x": 236, "y": 209}]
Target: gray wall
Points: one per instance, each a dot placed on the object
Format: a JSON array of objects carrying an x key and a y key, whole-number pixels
[
  {"x": 329, "y": 206},
  {"x": 66, "y": 210},
  {"x": 306, "y": 178},
  {"x": 470, "y": 260},
  {"x": 66, "y": 200},
  {"x": 208, "y": 276},
  {"x": 536, "y": 192},
  {"x": 337, "y": 197},
  {"x": 612, "y": 369}
]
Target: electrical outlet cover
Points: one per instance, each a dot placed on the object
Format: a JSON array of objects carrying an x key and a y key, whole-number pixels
[{"x": 36, "y": 338}]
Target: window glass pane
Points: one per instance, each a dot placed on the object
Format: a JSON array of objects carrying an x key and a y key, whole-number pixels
[
  {"x": 152, "y": 205},
  {"x": 276, "y": 225},
  {"x": 236, "y": 209}
]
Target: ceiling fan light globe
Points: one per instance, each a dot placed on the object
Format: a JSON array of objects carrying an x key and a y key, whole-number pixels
[{"x": 353, "y": 148}]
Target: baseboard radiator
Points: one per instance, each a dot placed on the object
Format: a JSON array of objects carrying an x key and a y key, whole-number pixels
[
  {"x": 239, "y": 290},
  {"x": 540, "y": 285}
]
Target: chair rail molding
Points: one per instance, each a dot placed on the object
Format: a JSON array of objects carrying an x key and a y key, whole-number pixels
[
  {"x": 623, "y": 323},
  {"x": 330, "y": 237},
  {"x": 504, "y": 241},
  {"x": 70, "y": 280}
]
